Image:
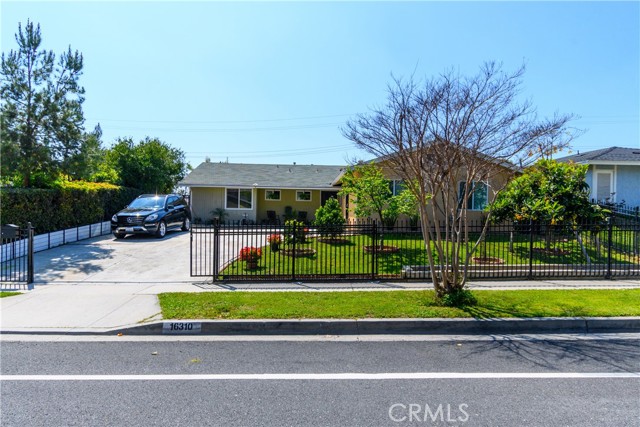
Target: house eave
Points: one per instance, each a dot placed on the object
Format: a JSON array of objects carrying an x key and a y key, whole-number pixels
[
  {"x": 261, "y": 187},
  {"x": 610, "y": 162}
]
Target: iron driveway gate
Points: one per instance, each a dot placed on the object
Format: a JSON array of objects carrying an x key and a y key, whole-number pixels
[
  {"x": 369, "y": 251},
  {"x": 16, "y": 257}
]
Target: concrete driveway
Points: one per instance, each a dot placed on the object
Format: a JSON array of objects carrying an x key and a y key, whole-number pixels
[{"x": 105, "y": 259}]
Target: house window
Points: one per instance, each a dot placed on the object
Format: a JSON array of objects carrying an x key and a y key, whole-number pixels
[
  {"x": 303, "y": 196},
  {"x": 479, "y": 198},
  {"x": 604, "y": 186},
  {"x": 272, "y": 195},
  {"x": 396, "y": 186},
  {"x": 239, "y": 198}
]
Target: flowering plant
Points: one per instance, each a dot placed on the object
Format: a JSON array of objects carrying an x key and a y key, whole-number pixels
[
  {"x": 274, "y": 238},
  {"x": 251, "y": 254}
]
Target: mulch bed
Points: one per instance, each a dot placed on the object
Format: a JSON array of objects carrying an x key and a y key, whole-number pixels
[
  {"x": 554, "y": 251},
  {"x": 487, "y": 260},
  {"x": 381, "y": 250},
  {"x": 333, "y": 241},
  {"x": 298, "y": 252}
]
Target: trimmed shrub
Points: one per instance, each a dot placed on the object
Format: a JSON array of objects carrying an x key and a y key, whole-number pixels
[
  {"x": 329, "y": 219},
  {"x": 67, "y": 205}
]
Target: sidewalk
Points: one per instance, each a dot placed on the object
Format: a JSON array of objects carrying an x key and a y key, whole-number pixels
[{"x": 98, "y": 307}]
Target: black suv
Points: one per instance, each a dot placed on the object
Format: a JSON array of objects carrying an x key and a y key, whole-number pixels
[{"x": 152, "y": 214}]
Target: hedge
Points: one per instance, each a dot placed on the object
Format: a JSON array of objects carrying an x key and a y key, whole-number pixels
[{"x": 69, "y": 205}]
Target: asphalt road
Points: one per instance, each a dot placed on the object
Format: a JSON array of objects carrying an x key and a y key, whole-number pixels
[{"x": 490, "y": 382}]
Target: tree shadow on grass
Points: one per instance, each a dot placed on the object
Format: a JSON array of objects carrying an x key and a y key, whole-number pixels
[{"x": 489, "y": 312}]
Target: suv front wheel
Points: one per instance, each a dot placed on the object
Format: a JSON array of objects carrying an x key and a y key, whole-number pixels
[{"x": 162, "y": 230}]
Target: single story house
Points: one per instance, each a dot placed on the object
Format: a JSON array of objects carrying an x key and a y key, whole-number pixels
[
  {"x": 267, "y": 193},
  {"x": 260, "y": 193},
  {"x": 613, "y": 174}
]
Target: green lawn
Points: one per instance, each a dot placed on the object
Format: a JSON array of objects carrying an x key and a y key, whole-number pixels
[
  {"x": 397, "y": 304},
  {"x": 350, "y": 257},
  {"x": 8, "y": 294}
]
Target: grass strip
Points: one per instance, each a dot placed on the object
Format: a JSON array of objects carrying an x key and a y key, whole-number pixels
[
  {"x": 8, "y": 294},
  {"x": 398, "y": 304}
]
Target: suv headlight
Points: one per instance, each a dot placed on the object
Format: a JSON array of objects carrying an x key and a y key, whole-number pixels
[
  {"x": 151, "y": 217},
  {"x": 114, "y": 218}
]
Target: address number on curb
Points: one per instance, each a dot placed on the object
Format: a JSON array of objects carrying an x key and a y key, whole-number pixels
[{"x": 181, "y": 327}]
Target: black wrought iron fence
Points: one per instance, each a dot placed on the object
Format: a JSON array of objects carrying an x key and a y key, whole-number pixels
[
  {"x": 373, "y": 252},
  {"x": 16, "y": 257}
]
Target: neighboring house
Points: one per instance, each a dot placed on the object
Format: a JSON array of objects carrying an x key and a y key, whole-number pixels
[
  {"x": 613, "y": 174},
  {"x": 254, "y": 191}
]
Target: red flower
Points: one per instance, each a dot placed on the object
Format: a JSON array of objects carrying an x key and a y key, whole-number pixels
[
  {"x": 274, "y": 238},
  {"x": 249, "y": 253}
]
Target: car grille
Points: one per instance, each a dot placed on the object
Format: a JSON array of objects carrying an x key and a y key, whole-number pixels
[{"x": 128, "y": 221}]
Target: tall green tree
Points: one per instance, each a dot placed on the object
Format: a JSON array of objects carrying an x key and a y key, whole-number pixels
[
  {"x": 151, "y": 165},
  {"x": 85, "y": 163},
  {"x": 549, "y": 193},
  {"x": 41, "y": 108},
  {"x": 372, "y": 191}
]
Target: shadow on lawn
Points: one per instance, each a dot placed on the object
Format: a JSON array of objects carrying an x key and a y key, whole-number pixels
[{"x": 490, "y": 312}]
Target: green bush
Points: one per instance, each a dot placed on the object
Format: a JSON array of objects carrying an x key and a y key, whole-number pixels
[
  {"x": 295, "y": 232},
  {"x": 458, "y": 298},
  {"x": 329, "y": 219},
  {"x": 68, "y": 204}
]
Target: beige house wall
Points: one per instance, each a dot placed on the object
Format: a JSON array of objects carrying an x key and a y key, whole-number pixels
[
  {"x": 495, "y": 184},
  {"x": 287, "y": 198},
  {"x": 206, "y": 199}
]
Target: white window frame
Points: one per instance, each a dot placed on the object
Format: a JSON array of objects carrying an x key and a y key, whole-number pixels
[
  {"x": 298, "y": 199},
  {"x": 470, "y": 201},
  {"x": 396, "y": 186},
  {"x": 226, "y": 199},
  {"x": 612, "y": 183},
  {"x": 272, "y": 191}
]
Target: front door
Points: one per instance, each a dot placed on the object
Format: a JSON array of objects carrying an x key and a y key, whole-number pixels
[{"x": 326, "y": 195}]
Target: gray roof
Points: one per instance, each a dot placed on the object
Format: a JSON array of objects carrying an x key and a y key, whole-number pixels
[
  {"x": 210, "y": 174},
  {"x": 611, "y": 154}
]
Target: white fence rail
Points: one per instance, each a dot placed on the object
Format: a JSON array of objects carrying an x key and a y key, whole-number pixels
[{"x": 42, "y": 242}]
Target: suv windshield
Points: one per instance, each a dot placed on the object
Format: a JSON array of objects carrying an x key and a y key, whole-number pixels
[{"x": 148, "y": 203}]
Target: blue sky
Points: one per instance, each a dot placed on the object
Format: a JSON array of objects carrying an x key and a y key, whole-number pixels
[{"x": 273, "y": 82}]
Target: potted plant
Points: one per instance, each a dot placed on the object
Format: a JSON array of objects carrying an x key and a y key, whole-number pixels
[
  {"x": 251, "y": 255},
  {"x": 219, "y": 215},
  {"x": 274, "y": 241}
]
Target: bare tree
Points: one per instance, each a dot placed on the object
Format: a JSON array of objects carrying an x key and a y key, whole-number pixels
[{"x": 446, "y": 135}]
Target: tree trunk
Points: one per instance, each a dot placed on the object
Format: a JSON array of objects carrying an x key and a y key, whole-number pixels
[{"x": 584, "y": 250}]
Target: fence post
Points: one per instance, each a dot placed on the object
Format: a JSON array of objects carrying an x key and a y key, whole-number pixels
[
  {"x": 374, "y": 249},
  {"x": 294, "y": 238},
  {"x": 30, "y": 255},
  {"x": 216, "y": 250},
  {"x": 530, "y": 248},
  {"x": 609, "y": 244}
]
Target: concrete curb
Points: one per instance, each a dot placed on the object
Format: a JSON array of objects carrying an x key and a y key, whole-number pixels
[
  {"x": 501, "y": 326},
  {"x": 401, "y": 326}
]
